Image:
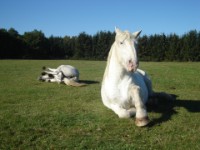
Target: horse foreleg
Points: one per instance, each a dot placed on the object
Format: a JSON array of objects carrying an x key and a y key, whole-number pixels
[
  {"x": 53, "y": 80},
  {"x": 121, "y": 112},
  {"x": 51, "y": 72},
  {"x": 141, "y": 112}
]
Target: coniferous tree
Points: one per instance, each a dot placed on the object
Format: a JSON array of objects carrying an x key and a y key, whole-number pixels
[
  {"x": 68, "y": 46},
  {"x": 35, "y": 45},
  {"x": 83, "y": 46},
  {"x": 36, "y": 42}
]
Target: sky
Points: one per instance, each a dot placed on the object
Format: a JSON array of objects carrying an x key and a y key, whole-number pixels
[{"x": 71, "y": 17}]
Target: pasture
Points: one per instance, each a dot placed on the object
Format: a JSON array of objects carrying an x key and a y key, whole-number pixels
[{"x": 39, "y": 115}]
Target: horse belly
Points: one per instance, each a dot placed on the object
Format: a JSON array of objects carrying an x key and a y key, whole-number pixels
[{"x": 69, "y": 71}]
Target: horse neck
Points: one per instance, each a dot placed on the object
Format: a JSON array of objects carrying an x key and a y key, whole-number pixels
[{"x": 114, "y": 69}]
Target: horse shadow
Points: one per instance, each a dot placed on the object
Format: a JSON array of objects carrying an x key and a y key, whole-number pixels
[
  {"x": 88, "y": 81},
  {"x": 167, "y": 108}
]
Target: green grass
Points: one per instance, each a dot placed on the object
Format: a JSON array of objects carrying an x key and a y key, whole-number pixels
[{"x": 38, "y": 115}]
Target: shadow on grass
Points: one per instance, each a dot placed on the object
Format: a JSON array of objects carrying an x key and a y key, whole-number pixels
[
  {"x": 191, "y": 105},
  {"x": 167, "y": 108},
  {"x": 88, "y": 81}
]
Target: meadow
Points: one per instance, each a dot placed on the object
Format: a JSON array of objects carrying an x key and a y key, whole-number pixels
[{"x": 40, "y": 115}]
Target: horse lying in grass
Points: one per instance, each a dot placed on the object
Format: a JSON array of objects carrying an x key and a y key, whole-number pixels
[
  {"x": 63, "y": 74},
  {"x": 125, "y": 88}
]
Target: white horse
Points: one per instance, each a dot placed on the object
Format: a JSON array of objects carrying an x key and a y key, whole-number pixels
[
  {"x": 63, "y": 74},
  {"x": 125, "y": 88}
]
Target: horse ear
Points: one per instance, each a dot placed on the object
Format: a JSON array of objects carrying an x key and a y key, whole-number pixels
[
  {"x": 136, "y": 34},
  {"x": 117, "y": 30}
]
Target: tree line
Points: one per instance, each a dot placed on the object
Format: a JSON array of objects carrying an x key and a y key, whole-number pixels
[{"x": 157, "y": 47}]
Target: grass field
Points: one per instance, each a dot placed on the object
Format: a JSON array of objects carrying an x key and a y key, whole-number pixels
[{"x": 38, "y": 115}]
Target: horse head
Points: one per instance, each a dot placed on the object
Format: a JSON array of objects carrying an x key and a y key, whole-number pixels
[{"x": 125, "y": 44}]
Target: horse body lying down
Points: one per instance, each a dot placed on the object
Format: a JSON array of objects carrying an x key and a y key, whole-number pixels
[
  {"x": 63, "y": 74},
  {"x": 125, "y": 88}
]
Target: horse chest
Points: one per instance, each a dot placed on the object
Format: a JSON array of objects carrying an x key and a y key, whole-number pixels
[{"x": 118, "y": 90}]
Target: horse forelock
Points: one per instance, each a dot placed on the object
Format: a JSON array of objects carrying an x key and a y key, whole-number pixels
[{"x": 123, "y": 36}]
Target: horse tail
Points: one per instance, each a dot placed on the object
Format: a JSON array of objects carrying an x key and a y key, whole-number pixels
[{"x": 73, "y": 83}]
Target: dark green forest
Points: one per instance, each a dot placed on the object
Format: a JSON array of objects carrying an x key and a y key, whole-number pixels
[{"x": 157, "y": 47}]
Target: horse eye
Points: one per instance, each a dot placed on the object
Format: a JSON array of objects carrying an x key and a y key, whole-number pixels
[{"x": 121, "y": 43}]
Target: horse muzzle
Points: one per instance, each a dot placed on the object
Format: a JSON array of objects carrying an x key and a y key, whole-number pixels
[{"x": 132, "y": 67}]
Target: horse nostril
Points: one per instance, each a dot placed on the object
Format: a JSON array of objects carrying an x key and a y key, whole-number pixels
[{"x": 133, "y": 64}]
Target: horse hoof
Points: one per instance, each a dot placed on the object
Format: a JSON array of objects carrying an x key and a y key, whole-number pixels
[{"x": 140, "y": 122}]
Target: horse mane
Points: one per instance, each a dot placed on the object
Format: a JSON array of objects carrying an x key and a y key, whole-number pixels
[{"x": 108, "y": 60}]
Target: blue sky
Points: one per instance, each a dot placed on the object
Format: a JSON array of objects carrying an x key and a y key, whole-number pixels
[{"x": 71, "y": 17}]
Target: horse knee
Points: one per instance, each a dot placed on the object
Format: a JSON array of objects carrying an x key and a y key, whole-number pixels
[
  {"x": 124, "y": 114},
  {"x": 121, "y": 112}
]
